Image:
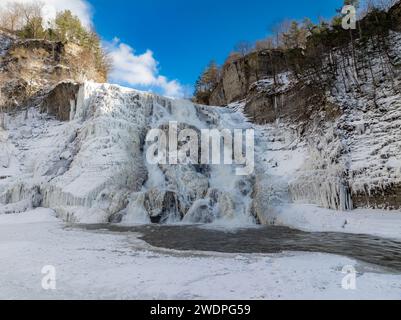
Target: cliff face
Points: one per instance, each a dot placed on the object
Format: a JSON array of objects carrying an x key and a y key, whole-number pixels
[
  {"x": 344, "y": 118},
  {"x": 29, "y": 69},
  {"x": 238, "y": 78}
]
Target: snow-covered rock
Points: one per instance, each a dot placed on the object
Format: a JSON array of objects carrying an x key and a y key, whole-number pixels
[
  {"x": 93, "y": 168},
  {"x": 349, "y": 139}
]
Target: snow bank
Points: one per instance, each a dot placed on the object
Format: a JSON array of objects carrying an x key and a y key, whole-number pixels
[
  {"x": 102, "y": 265},
  {"x": 381, "y": 223},
  {"x": 39, "y": 215}
]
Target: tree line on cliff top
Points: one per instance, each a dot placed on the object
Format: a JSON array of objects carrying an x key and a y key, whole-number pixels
[
  {"x": 305, "y": 44},
  {"x": 26, "y": 20}
]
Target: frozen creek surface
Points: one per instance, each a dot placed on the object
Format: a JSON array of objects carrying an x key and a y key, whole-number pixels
[
  {"x": 270, "y": 239},
  {"x": 106, "y": 265}
]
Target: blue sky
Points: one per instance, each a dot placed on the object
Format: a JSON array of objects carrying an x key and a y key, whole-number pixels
[
  {"x": 185, "y": 35},
  {"x": 163, "y": 45}
]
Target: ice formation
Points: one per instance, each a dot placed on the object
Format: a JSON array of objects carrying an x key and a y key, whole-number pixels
[
  {"x": 358, "y": 155},
  {"x": 353, "y": 160},
  {"x": 92, "y": 169}
]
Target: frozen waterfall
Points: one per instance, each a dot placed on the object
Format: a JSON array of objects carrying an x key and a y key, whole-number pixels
[
  {"x": 93, "y": 168},
  {"x": 192, "y": 193}
]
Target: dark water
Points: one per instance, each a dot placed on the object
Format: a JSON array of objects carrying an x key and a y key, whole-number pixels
[{"x": 265, "y": 240}]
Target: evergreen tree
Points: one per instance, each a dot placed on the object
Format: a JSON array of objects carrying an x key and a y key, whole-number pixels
[{"x": 68, "y": 28}]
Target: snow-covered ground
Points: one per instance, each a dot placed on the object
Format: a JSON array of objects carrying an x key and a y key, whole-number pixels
[
  {"x": 278, "y": 164},
  {"x": 280, "y": 159},
  {"x": 381, "y": 223},
  {"x": 102, "y": 265}
]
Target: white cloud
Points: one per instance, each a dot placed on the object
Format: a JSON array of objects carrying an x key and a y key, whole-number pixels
[
  {"x": 81, "y": 8},
  {"x": 140, "y": 70},
  {"x": 137, "y": 70}
]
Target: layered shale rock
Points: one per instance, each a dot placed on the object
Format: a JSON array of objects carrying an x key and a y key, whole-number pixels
[
  {"x": 343, "y": 111},
  {"x": 30, "y": 68}
]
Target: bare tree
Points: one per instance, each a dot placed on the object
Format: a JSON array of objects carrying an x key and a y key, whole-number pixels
[
  {"x": 368, "y": 6},
  {"x": 265, "y": 44},
  {"x": 31, "y": 11},
  {"x": 278, "y": 30},
  {"x": 383, "y": 4},
  {"x": 243, "y": 48},
  {"x": 15, "y": 16},
  {"x": 232, "y": 57},
  {"x": 11, "y": 17}
]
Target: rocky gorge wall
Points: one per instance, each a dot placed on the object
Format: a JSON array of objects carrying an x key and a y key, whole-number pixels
[
  {"x": 239, "y": 76},
  {"x": 30, "y": 68},
  {"x": 346, "y": 118},
  {"x": 351, "y": 131}
]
